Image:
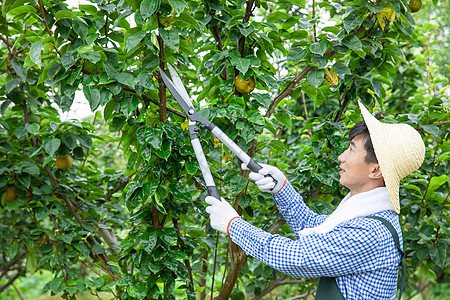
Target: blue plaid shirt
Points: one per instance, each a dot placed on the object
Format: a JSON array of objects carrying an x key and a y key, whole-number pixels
[{"x": 360, "y": 253}]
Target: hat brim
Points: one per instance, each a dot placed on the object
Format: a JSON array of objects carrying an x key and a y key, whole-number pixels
[{"x": 378, "y": 134}]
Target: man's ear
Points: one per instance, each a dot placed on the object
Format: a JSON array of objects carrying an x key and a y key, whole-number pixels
[{"x": 375, "y": 172}]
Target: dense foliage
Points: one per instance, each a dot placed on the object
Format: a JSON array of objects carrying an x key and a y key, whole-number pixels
[{"x": 138, "y": 230}]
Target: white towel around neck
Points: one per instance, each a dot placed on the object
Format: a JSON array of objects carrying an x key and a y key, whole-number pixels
[{"x": 360, "y": 205}]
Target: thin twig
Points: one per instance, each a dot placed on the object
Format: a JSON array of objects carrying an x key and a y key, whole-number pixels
[
  {"x": 46, "y": 26},
  {"x": 313, "y": 16},
  {"x": 147, "y": 98},
  {"x": 5, "y": 40}
]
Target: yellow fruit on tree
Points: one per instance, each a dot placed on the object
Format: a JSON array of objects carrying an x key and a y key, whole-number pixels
[
  {"x": 64, "y": 162},
  {"x": 244, "y": 86},
  {"x": 11, "y": 194},
  {"x": 415, "y": 5}
]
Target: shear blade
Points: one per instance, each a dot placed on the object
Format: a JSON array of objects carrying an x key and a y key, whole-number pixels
[{"x": 179, "y": 85}]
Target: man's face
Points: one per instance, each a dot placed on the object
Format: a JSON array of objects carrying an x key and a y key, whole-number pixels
[{"x": 356, "y": 173}]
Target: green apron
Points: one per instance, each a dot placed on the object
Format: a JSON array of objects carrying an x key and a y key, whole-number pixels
[{"x": 328, "y": 288}]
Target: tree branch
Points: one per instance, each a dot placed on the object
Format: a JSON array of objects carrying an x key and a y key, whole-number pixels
[
  {"x": 147, "y": 98},
  {"x": 247, "y": 15},
  {"x": 121, "y": 185},
  {"x": 41, "y": 7},
  {"x": 186, "y": 261},
  {"x": 78, "y": 218},
  {"x": 302, "y": 295},
  {"x": 161, "y": 85},
  {"x": 9, "y": 44},
  {"x": 279, "y": 282},
  {"x": 10, "y": 281},
  {"x": 5, "y": 268}
]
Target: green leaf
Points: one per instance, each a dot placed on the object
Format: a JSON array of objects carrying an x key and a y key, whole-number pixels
[
  {"x": 35, "y": 53},
  {"x": 171, "y": 38},
  {"x": 256, "y": 118},
  {"x": 319, "y": 47},
  {"x": 278, "y": 145},
  {"x": 154, "y": 137},
  {"x": 149, "y": 188},
  {"x": 352, "y": 42},
  {"x": 164, "y": 151},
  {"x": 242, "y": 64},
  {"x": 52, "y": 145},
  {"x": 134, "y": 199},
  {"x": 191, "y": 166},
  {"x": 341, "y": 69},
  {"x": 178, "y": 190},
  {"x": 178, "y": 5},
  {"x": 93, "y": 57},
  {"x": 67, "y": 14},
  {"x": 351, "y": 21},
  {"x": 24, "y": 179},
  {"x": 32, "y": 263},
  {"x": 248, "y": 133},
  {"x": 126, "y": 79},
  {"x": 320, "y": 61},
  {"x": 306, "y": 23},
  {"x": 92, "y": 96},
  {"x": 324, "y": 178},
  {"x": 436, "y": 182},
  {"x": 129, "y": 104},
  {"x": 149, "y": 7},
  {"x": 263, "y": 99},
  {"x": 168, "y": 235},
  {"x": 20, "y": 10},
  {"x": 11, "y": 84},
  {"x": 85, "y": 140},
  {"x": 432, "y": 129},
  {"x": 145, "y": 80},
  {"x": 186, "y": 20},
  {"x": 237, "y": 295},
  {"x": 135, "y": 39},
  {"x": 245, "y": 31},
  {"x": 237, "y": 184},
  {"x": 296, "y": 54},
  {"x": 315, "y": 77},
  {"x": 283, "y": 118},
  {"x": 149, "y": 240},
  {"x": 69, "y": 58},
  {"x": 13, "y": 250},
  {"x": 109, "y": 109},
  {"x": 172, "y": 131},
  {"x": 70, "y": 141}
]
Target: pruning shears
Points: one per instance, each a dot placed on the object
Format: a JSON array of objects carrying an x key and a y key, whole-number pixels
[{"x": 180, "y": 94}]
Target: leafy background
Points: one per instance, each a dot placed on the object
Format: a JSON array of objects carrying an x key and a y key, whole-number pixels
[{"x": 127, "y": 220}]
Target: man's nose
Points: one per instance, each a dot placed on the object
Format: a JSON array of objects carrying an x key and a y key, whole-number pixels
[{"x": 341, "y": 157}]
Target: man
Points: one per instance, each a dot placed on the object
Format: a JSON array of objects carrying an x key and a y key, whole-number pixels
[{"x": 357, "y": 257}]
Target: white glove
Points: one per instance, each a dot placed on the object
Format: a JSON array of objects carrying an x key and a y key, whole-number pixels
[
  {"x": 221, "y": 213},
  {"x": 273, "y": 183}
]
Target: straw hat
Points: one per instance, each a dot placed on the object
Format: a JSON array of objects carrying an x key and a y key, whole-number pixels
[{"x": 399, "y": 149}]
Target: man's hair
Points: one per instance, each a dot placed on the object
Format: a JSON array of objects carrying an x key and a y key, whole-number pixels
[{"x": 360, "y": 128}]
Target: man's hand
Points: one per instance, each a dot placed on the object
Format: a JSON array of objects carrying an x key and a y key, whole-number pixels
[
  {"x": 267, "y": 183},
  {"x": 221, "y": 213}
]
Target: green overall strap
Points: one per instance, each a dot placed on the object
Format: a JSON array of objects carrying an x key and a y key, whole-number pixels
[
  {"x": 328, "y": 289},
  {"x": 397, "y": 243}
]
